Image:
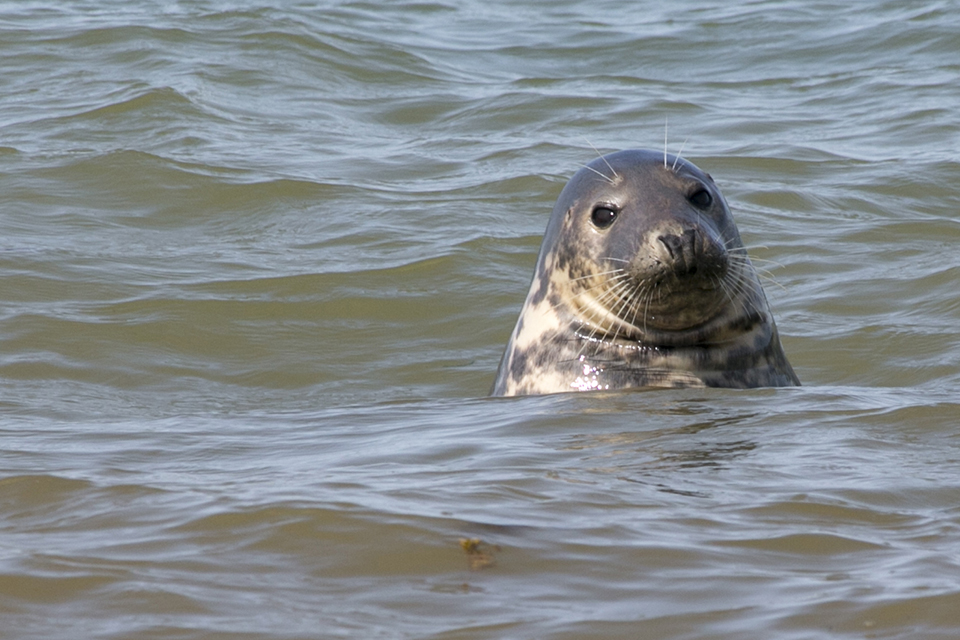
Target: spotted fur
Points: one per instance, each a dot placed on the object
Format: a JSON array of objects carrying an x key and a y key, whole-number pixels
[{"x": 662, "y": 296}]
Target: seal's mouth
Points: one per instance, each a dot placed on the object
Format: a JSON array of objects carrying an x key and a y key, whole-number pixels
[{"x": 660, "y": 302}]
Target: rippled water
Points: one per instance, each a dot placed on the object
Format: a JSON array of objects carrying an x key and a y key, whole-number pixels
[{"x": 258, "y": 264}]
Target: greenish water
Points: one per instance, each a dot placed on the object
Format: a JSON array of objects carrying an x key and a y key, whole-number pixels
[{"x": 258, "y": 264}]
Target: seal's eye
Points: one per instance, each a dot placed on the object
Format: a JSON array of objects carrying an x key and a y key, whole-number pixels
[
  {"x": 603, "y": 216},
  {"x": 701, "y": 199}
]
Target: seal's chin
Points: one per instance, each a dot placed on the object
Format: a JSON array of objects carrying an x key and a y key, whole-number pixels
[
  {"x": 654, "y": 311},
  {"x": 678, "y": 297}
]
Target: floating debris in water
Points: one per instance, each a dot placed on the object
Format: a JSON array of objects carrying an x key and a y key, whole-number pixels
[{"x": 479, "y": 553}]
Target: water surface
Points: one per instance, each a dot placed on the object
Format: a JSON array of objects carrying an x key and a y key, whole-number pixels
[{"x": 258, "y": 263}]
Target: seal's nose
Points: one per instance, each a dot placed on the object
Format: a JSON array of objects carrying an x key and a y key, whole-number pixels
[{"x": 683, "y": 250}]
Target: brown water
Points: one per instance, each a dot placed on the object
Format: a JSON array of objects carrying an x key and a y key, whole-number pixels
[{"x": 258, "y": 264}]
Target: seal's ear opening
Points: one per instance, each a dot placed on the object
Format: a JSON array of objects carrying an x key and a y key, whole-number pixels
[{"x": 603, "y": 215}]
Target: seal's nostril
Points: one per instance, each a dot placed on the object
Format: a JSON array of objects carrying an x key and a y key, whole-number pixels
[
  {"x": 673, "y": 245},
  {"x": 684, "y": 251}
]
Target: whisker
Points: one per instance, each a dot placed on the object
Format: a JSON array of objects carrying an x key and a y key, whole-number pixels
[
  {"x": 736, "y": 298},
  {"x": 646, "y": 312},
  {"x": 605, "y": 288},
  {"x": 743, "y": 259},
  {"x": 676, "y": 158},
  {"x": 602, "y": 273},
  {"x": 602, "y": 175},
  {"x": 602, "y": 157},
  {"x": 743, "y": 251},
  {"x": 594, "y": 316},
  {"x": 762, "y": 272},
  {"x": 768, "y": 278},
  {"x": 636, "y": 295},
  {"x": 625, "y": 301},
  {"x": 666, "y": 120},
  {"x": 722, "y": 286},
  {"x": 745, "y": 291},
  {"x": 618, "y": 293}
]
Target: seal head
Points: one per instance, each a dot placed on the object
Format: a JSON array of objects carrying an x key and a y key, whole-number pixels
[{"x": 642, "y": 280}]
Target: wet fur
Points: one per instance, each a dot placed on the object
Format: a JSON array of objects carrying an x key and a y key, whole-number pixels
[{"x": 665, "y": 296}]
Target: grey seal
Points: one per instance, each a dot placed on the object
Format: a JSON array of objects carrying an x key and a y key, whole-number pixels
[{"x": 642, "y": 281}]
